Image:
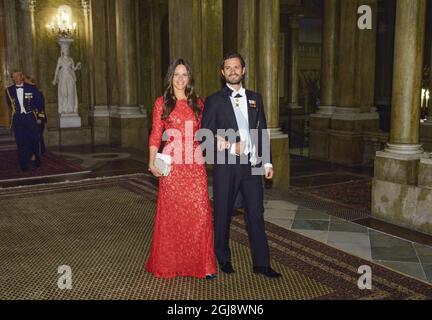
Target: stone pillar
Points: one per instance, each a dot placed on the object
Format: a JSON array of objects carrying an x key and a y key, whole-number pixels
[
  {"x": 384, "y": 63},
  {"x": 97, "y": 52},
  {"x": 320, "y": 121},
  {"x": 329, "y": 38},
  {"x": 12, "y": 44},
  {"x": 397, "y": 194},
  {"x": 407, "y": 76},
  {"x": 269, "y": 33},
  {"x": 128, "y": 122},
  {"x": 355, "y": 87},
  {"x": 247, "y": 42},
  {"x": 293, "y": 66},
  {"x": 196, "y": 34},
  {"x": 27, "y": 37}
]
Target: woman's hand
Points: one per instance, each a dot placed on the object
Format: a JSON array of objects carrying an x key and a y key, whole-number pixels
[
  {"x": 155, "y": 171},
  {"x": 222, "y": 144}
]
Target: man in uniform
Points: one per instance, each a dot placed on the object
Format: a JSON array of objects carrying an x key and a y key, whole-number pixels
[{"x": 23, "y": 101}]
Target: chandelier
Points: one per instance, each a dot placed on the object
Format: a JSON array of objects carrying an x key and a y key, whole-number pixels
[{"x": 62, "y": 25}]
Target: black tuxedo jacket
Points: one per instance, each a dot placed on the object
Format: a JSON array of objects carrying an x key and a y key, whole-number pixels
[{"x": 219, "y": 114}]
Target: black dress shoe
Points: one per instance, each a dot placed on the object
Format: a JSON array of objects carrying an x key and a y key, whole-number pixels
[
  {"x": 36, "y": 163},
  {"x": 227, "y": 267},
  {"x": 267, "y": 271},
  {"x": 210, "y": 277}
]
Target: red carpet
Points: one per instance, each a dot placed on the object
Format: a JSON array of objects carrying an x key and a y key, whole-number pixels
[{"x": 51, "y": 165}]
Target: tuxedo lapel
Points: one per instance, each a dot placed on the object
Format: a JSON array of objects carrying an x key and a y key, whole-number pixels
[{"x": 226, "y": 92}]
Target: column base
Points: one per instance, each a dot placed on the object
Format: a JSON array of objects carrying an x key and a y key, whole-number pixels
[
  {"x": 402, "y": 191},
  {"x": 326, "y": 111},
  {"x": 407, "y": 151},
  {"x": 346, "y": 138},
  {"x": 129, "y": 127},
  {"x": 280, "y": 158},
  {"x": 426, "y": 134},
  {"x": 69, "y": 120},
  {"x": 99, "y": 120},
  {"x": 55, "y": 137},
  {"x": 319, "y": 134}
]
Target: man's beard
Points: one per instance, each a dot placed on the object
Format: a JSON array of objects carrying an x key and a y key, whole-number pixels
[{"x": 227, "y": 80}]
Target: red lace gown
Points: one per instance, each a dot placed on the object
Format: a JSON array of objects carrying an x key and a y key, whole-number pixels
[{"x": 182, "y": 242}]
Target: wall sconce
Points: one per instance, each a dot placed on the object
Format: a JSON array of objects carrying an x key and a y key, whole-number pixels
[{"x": 62, "y": 25}]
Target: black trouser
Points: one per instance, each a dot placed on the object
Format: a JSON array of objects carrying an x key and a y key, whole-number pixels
[
  {"x": 228, "y": 180},
  {"x": 41, "y": 138},
  {"x": 26, "y": 133}
]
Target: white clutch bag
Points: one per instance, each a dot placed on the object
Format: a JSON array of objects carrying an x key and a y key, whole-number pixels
[{"x": 163, "y": 163}]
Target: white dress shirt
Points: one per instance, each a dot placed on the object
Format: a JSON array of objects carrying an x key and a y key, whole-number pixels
[
  {"x": 241, "y": 103},
  {"x": 20, "y": 95}
]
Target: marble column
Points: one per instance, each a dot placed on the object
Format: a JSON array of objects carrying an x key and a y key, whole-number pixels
[
  {"x": 320, "y": 121},
  {"x": 27, "y": 37},
  {"x": 407, "y": 76},
  {"x": 12, "y": 48},
  {"x": 384, "y": 62},
  {"x": 196, "y": 34},
  {"x": 346, "y": 74},
  {"x": 329, "y": 38},
  {"x": 246, "y": 27},
  {"x": 366, "y": 63},
  {"x": 268, "y": 60},
  {"x": 401, "y": 188},
  {"x": 97, "y": 52},
  {"x": 128, "y": 123},
  {"x": 268, "y": 36},
  {"x": 354, "y": 114},
  {"x": 126, "y": 53},
  {"x": 293, "y": 64}
]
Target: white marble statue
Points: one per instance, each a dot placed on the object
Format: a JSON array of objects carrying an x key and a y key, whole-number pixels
[{"x": 66, "y": 79}]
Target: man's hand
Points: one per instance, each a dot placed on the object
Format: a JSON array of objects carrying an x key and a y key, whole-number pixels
[
  {"x": 240, "y": 147},
  {"x": 222, "y": 144},
  {"x": 39, "y": 121},
  {"x": 268, "y": 173}
]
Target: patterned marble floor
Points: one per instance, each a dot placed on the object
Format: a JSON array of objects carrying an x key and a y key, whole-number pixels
[
  {"x": 407, "y": 257},
  {"x": 398, "y": 254}
]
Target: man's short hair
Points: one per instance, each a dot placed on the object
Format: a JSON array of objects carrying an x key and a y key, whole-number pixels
[
  {"x": 231, "y": 55},
  {"x": 16, "y": 71}
]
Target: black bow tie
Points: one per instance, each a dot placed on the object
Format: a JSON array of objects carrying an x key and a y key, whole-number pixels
[
  {"x": 19, "y": 86},
  {"x": 238, "y": 95}
]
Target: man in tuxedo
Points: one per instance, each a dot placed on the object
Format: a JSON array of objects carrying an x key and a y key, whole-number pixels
[
  {"x": 238, "y": 110},
  {"x": 23, "y": 100}
]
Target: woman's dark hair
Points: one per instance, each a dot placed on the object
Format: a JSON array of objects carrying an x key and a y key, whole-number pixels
[
  {"x": 169, "y": 97},
  {"x": 231, "y": 55}
]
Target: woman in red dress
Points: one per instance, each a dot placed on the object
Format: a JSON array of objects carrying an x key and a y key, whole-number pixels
[{"x": 182, "y": 242}]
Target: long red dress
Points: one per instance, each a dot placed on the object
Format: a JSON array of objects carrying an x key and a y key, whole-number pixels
[{"x": 182, "y": 242}]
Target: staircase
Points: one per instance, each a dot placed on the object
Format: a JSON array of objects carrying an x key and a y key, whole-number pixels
[{"x": 7, "y": 141}]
